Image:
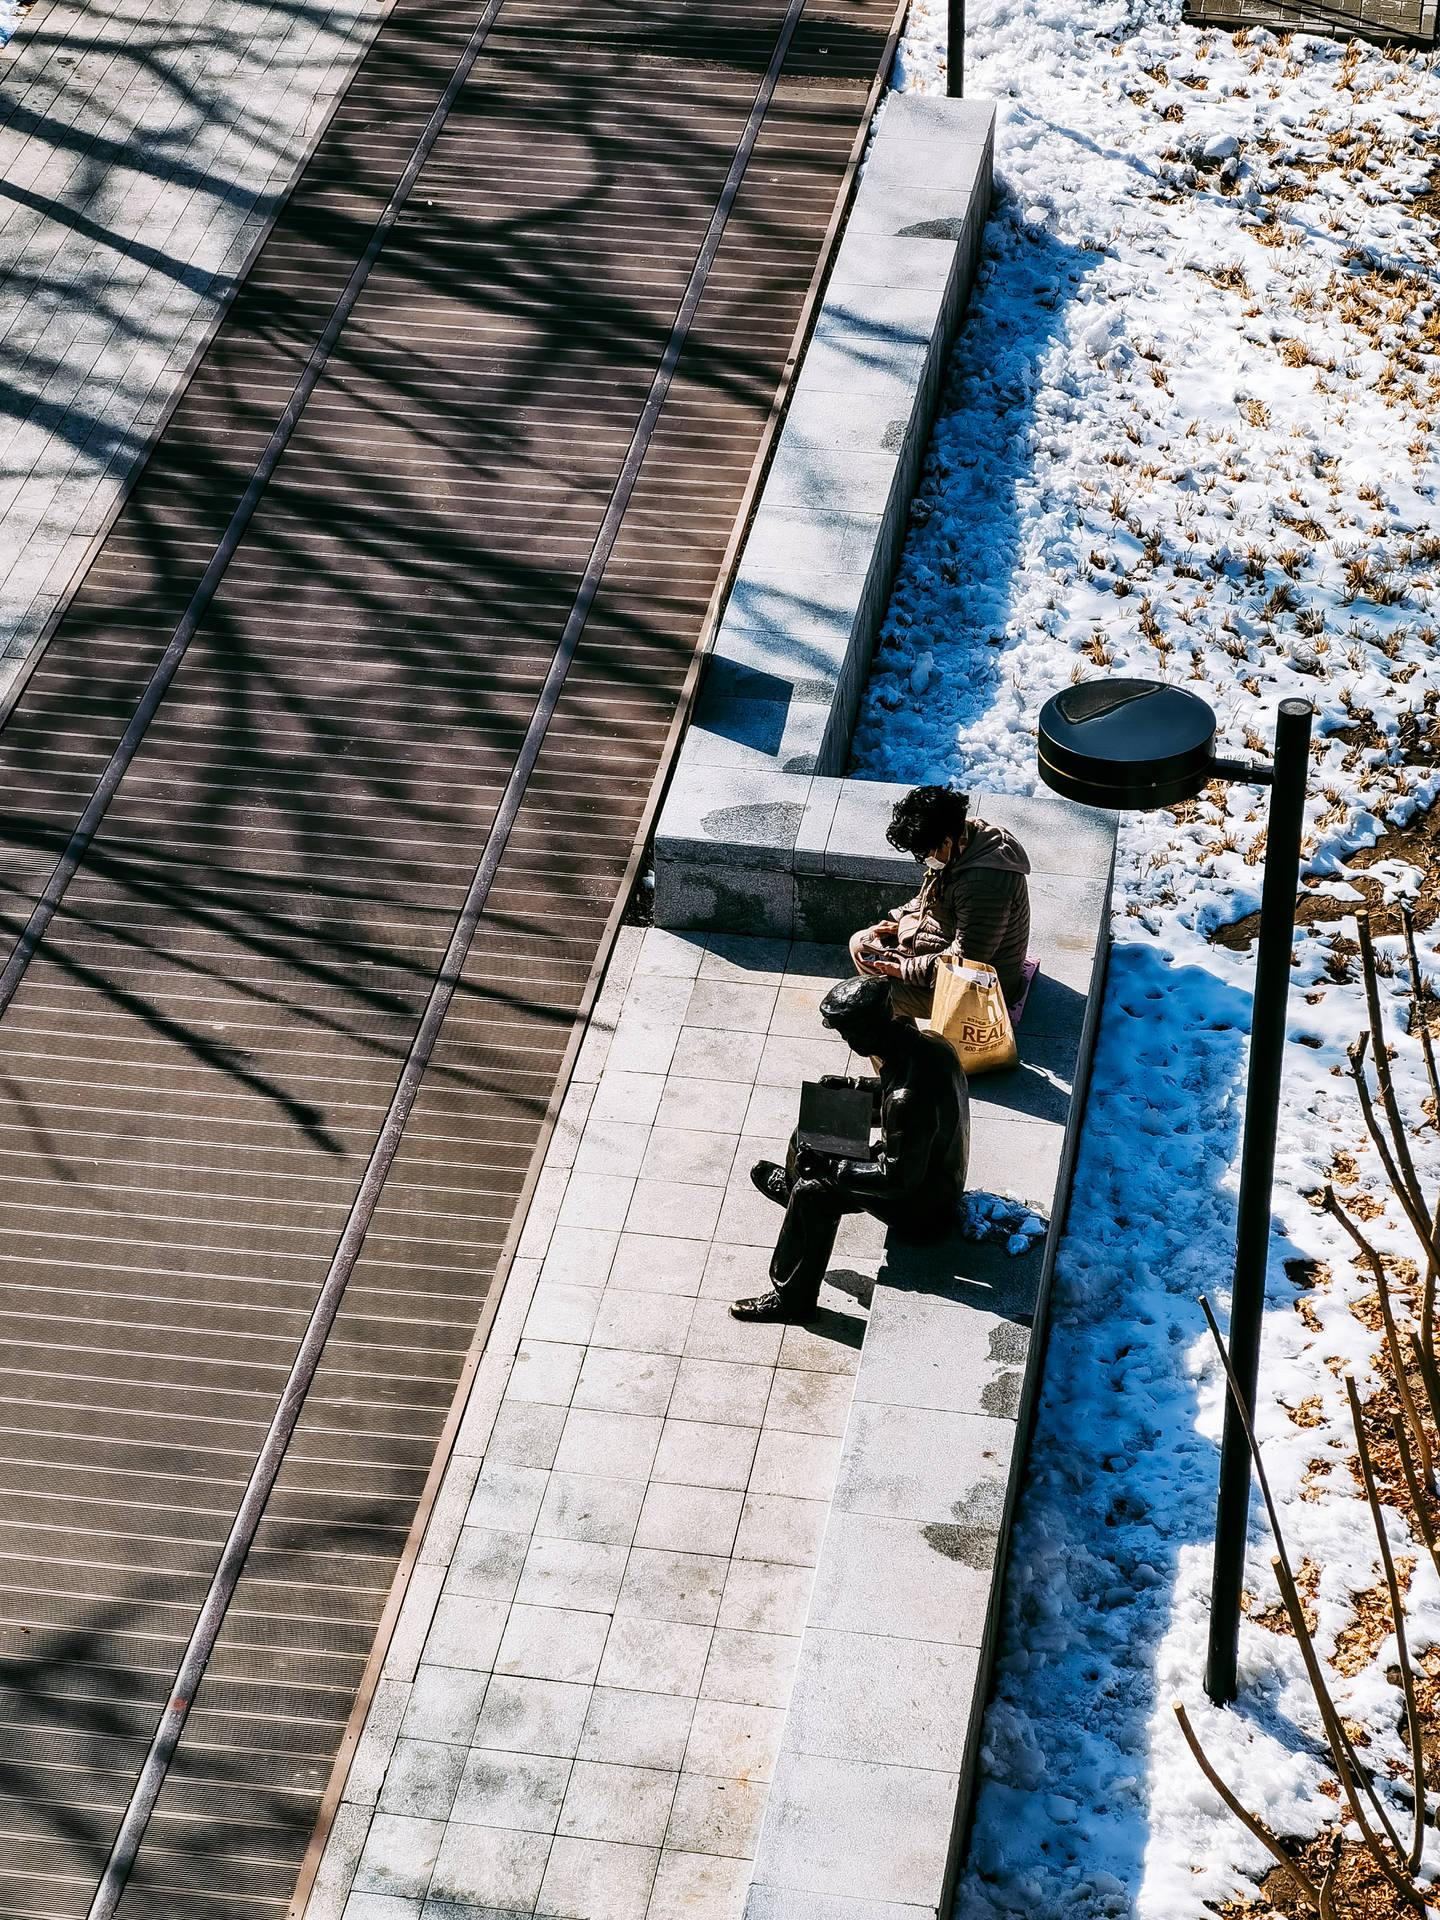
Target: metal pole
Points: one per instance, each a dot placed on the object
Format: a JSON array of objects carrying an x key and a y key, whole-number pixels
[
  {"x": 1257, "y": 1167},
  {"x": 955, "y": 50}
]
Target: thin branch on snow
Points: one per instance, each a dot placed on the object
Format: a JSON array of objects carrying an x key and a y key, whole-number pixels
[
  {"x": 1252, "y": 1821},
  {"x": 1383, "y": 1077},
  {"x": 1414, "y": 1213},
  {"x": 1347, "y": 1766},
  {"x": 1392, "y": 1336},
  {"x": 1397, "y": 1612},
  {"x": 1417, "y": 1018},
  {"x": 1407, "y": 1465}
]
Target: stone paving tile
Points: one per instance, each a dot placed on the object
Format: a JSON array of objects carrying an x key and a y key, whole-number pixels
[
  {"x": 533, "y": 1716},
  {"x": 585, "y": 1506},
  {"x": 512, "y": 1790},
  {"x": 445, "y": 1704},
  {"x": 598, "y": 1706},
  {"x": 636, "y": 1728},
  {"x": 690, "y": 1519},
  {"x": 897, "y": 1823},
  {"x": 734, "y": 1740},
  {"x": 735, "y": 1392},
  {"x": 597, "y": 1880},
  {"x": 801, "y": 1464},
  {"x": 698, "y": 1886},
  {"x": 623, "y": 1443},
  {"x": 552, "y": 1643},
  {"x": 661, "y": 1585},
  {"x": 718, "y": 1105},
  {"x": 612, "y": 1146},
  {"x": 715, "y": 1816},
  {"x": 691, "y": 1156},
  {"x": 490, "y": 1867},
  {"x": 696, "y": 1453},
  {"x": 648, "y": 1655},
  {"x": 421, "y": 1779},
  {"x": 630, "y": 1805},
  {"x": 802, "y": 1401},
  {"x": 766, "y": 1596},
  {"x": 659, "y": 1263},
  {"x": 620, "y": 1379},
  {"x": 895, "y": 1702},
  {"x": 580, "y": 1256},
  {"x": 731, "y": 1006}
]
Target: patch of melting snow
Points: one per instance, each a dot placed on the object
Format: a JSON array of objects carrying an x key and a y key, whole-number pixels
[{"x": 1187, "y": 434}]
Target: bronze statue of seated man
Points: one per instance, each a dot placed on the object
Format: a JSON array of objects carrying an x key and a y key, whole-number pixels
[{"x": 916, "y": 1177}]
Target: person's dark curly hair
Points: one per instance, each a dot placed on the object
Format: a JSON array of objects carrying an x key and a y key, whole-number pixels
[{"x": 926, "y": 818}]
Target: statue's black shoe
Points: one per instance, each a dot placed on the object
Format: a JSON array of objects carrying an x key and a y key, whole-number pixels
[
  {"x": 770, "y": 1306},
  {"x": 769, "y": 1178}
]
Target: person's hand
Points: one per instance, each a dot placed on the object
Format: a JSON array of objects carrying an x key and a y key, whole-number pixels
[
  {"x": 886, "y": 932},
  {"x": 810, "y": 1165},
  {"x": 877, "y": 960}
]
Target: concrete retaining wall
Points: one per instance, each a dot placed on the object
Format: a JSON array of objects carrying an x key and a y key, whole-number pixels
[{"x": 792, "y": 653}]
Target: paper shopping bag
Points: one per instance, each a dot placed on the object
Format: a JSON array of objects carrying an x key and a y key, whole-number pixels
[{"x": 969, "y": 1011}]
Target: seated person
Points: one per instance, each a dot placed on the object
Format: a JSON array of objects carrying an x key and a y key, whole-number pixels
[
  {"x": 973, "y": 902},
  {"x": 917, "y": 1177}
]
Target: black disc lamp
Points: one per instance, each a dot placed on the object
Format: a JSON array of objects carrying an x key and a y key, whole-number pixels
[
  {"x": 1142, "y": 744},
  {"x": 1133, "y": 743}
]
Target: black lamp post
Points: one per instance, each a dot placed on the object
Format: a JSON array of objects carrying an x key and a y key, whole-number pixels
[
  {"x": 955, "y": 49},
  {"x": 1141, "y": 743}
]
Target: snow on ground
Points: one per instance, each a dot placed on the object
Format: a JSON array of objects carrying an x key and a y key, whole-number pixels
[
  {"x": 1187, "y": 433},
  {"x": 9, "y": 19}
]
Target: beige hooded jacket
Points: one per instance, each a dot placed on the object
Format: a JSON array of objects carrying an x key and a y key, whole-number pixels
[{"x": 976, "y": 905}]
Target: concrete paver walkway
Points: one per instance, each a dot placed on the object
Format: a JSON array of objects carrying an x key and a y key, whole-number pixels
[
  {"x": 585, "y": 1696},
  {"x": 144, "y": 148}
]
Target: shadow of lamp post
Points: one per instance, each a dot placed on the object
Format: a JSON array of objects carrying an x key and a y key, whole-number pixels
[{"x": 1143, "y": 744}]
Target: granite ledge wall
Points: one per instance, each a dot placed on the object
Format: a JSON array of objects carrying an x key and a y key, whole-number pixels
[{"x": 790, "y": 659}]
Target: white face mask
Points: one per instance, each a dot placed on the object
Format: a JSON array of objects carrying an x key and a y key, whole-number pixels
[{"x": 934, "y": 862}]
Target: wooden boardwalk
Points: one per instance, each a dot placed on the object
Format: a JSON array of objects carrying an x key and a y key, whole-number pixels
[
  {"x": 365, "y": 791},
  {"x": 1409, "y": 23}
]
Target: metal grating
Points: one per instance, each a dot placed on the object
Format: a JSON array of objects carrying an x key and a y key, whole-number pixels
[{"x": 193, "y": 1070}]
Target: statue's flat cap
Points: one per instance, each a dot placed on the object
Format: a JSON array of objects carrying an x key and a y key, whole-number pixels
[{"x": 856, "y": 1000}]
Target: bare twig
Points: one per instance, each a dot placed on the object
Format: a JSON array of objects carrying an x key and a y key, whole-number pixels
[
  {"x": 1346, "y": 1763},
  {"x": 1417, "y": 1019},
  {"x": 1262, "y": 1480},
  {"x": 1412, "y": 1481},
  {"x": 1416, "y": 1215},
  {"x": 1348, "y": 1769},
  {"x": 1429, "y": 1376},
  {"x": 1432, "y": 1073},
  {"x": 1392, "y": 1336},
  {"x": 1327, "y": 1893},
  {"x": 1397, "y": 1609},
  {"x": 1248, "y": 1820},
  {"x": 1383, "y": 1077}
]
